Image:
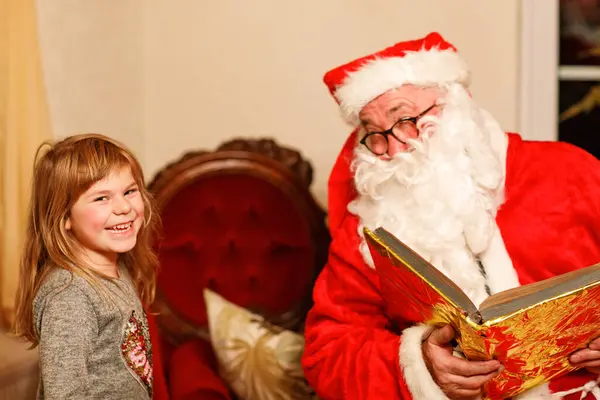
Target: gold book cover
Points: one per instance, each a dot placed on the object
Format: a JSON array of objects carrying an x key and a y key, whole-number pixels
[{"x": 532, "y": 343}]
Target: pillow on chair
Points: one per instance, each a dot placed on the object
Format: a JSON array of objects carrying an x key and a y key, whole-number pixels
[{"x": 256, "y": 359}]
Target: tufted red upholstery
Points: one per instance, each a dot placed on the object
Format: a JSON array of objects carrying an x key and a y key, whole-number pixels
[
  {"x": 239, "y": 236},
  {"x": 240, "y": 221}
]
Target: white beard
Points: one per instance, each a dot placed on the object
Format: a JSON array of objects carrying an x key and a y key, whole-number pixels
[{"x": 441, "y": 198}]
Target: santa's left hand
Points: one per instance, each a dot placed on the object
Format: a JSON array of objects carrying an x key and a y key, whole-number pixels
[{"x": 588, "y": 358}]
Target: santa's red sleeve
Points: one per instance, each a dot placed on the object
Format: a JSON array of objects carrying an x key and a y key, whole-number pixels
[{"x": 351, "y": 353}]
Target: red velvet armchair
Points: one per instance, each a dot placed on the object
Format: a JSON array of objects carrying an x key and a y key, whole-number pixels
[{"x": 241, "y": 221}]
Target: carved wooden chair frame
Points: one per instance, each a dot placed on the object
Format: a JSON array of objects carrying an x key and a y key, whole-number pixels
[{"x": 265, "y": 159}]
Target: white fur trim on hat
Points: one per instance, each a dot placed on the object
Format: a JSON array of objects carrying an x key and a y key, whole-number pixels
[{"x": 421, "y": 68}]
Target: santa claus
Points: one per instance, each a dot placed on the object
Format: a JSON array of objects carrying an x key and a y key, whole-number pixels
[{"x": 490, "y": 210}]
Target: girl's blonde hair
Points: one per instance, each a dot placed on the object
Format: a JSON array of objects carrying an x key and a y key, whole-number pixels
[{"x": 61, "y": 174}]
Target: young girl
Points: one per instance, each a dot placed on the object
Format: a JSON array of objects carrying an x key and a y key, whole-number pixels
[{"x": 88, "y": 270}]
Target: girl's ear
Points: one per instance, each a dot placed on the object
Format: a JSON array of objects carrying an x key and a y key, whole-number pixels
[{"x": 68, "y": 223}]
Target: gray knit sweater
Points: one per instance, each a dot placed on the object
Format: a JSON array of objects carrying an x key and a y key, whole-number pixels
[{"x": 90, "y": 347}]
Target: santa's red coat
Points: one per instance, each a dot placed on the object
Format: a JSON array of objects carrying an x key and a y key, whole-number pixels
[{"x": 550, "y": 224}]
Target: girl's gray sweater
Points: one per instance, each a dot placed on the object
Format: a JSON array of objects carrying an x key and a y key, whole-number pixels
[{"x": 91, "y": 347}]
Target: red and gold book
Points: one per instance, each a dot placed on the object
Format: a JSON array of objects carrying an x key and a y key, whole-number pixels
[{"x": 531, "y": 329}]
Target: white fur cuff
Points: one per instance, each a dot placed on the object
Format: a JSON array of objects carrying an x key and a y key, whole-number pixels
[{"x": 416, "y": 375}]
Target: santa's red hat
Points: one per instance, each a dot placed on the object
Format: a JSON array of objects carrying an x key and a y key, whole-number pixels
[{"x": 422, "y": 62}]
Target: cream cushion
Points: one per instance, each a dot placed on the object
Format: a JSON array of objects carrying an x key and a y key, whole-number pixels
[{"x": 256, "y": 360}]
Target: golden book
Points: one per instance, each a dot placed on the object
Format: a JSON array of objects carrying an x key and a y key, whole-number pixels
[{"x": 532, "y": 329}]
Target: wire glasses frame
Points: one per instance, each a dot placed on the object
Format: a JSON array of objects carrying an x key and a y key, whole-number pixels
[{"x": 402, "y": 130}]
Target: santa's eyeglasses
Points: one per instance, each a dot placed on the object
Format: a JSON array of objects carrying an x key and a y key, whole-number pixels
[{"x": 403, "y": 130}]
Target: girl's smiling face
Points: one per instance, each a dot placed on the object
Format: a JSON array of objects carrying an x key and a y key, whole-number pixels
[{"x": 107, "y": 217}]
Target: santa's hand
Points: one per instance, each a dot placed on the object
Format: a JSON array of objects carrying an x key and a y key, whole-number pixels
[
  {"x": 458, "y": 378},
  {"x": 588, "y": 358}
]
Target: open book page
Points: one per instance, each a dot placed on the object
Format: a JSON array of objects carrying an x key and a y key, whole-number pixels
[{"x": 512, "y": 300}]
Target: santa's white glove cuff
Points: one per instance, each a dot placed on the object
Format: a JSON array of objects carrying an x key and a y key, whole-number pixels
[{"x": 416, "y": 375}]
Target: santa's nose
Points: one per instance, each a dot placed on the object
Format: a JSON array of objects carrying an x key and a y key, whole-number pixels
[{"x": 395, "y": 146}]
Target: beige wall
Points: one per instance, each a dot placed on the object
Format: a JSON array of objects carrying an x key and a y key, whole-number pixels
[
  {"x": 167, "y": 76},
  {"x": 93, "y": 65}
]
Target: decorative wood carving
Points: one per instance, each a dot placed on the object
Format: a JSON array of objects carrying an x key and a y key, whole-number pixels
[{"x": 292, "y": 159}]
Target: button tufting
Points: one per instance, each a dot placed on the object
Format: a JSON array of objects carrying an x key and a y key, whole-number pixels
[
  {"x": 253, "y": 282},
  {"x": 231, "y": 246},
  {"x": 212, "y": 284}
]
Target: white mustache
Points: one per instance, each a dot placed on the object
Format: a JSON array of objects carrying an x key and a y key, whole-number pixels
[{"x": 406, "y": 168}]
